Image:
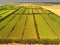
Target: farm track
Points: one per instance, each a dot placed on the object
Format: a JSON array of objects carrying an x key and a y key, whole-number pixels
[
  {"x": 28, "y": 44},
  {"x": 30, "y": 24}
]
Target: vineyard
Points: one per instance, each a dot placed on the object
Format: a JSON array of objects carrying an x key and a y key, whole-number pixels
[{"x": 29, "y": 24}]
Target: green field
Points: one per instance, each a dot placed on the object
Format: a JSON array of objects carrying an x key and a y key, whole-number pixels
[{"x": 29, "y": 23}]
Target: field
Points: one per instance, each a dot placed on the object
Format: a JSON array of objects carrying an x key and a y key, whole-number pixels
[
  {"x": 28, "y": 24},
  {"x": 53, "y": 8}
]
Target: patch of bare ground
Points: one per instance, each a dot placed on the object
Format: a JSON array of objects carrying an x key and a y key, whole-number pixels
[
  {"x": 53, "y": 8},
  {"x": 27, "y": 44},
  {"x": 21, "y": 44}
]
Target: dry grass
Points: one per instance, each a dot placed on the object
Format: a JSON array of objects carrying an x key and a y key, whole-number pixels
[{"x": 53, "y": 8}]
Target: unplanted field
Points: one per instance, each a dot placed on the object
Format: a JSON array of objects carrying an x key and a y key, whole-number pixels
[
  {"x": 30, "y": 23},
  {"x": 53, "y": 8}
]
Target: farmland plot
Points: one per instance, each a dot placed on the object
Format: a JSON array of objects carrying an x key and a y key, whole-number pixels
[
  {"x": 3, "y": 11},
  {"x": 43, "y": 29},
  {"x": 30, "y": 32},
  {"x": 18, "y": 30},
  {"x": 30, "y": 23},
  {"x": 9, "y": 27},
  {"x": 55, "y": 26}
]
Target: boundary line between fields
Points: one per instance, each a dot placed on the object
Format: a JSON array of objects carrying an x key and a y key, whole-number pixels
[
  {"x": 9, "y": 15},
  {"x": 14, "y": 26},
  {"x": 53, "y": 19},
  {"x": 7, "y": 23},
  {"x": 24, "y": 27},
  {"x": 37, "y": 33}
]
